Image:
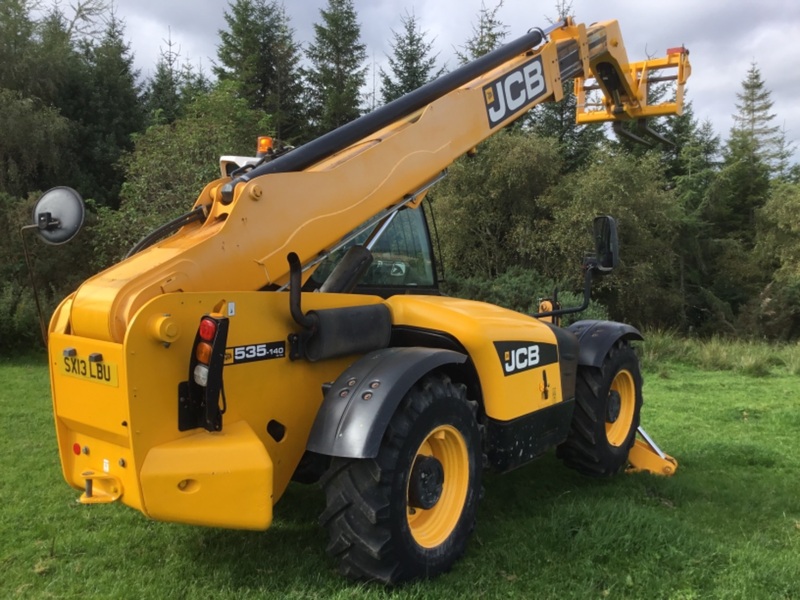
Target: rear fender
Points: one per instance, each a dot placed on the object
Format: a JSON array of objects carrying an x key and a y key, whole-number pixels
[
  {"x": 597, "y": 337},
  {"x": 359, "y": 404}
]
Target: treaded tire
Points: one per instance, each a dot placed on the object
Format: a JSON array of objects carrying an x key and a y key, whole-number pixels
[
  {"x": 374, "y": 533},
  {"x": 608, "y": 402}
]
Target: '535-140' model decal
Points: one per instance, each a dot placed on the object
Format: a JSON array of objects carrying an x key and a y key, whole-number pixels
[{"x": 254, "y": 352}]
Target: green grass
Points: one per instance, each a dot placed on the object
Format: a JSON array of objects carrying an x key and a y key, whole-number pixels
[{"x": 727, "y": 525}]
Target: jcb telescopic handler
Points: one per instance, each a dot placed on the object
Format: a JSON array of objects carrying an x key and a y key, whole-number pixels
[{"x": 227, "y": 355}]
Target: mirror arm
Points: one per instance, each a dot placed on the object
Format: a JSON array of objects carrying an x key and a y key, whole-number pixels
[
  {"x": 590, "y": 265},
  {"x": 29, "y": 264}
]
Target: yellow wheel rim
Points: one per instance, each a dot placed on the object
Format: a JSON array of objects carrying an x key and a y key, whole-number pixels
[
  {"x": 624, "y": 385},
  {"x": 432, "y": 527}
]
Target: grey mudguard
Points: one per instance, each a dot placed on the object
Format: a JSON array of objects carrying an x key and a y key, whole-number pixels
[
  {"x": 358, "y": 406},
  {"x": 597, "y": 337}
]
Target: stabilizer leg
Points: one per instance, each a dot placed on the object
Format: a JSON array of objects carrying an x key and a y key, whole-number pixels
[{"x": 645, "y": 455}]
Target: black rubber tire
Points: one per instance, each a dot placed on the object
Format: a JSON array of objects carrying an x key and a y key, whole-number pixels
[
  {"x": 588, "y": 448},
  {"x": 367, "y": 514}
]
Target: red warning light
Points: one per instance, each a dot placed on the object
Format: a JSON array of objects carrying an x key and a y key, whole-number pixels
[{"x": 208, "y": 329}]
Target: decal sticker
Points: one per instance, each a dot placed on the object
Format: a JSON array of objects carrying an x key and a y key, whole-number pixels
[
  {"x": 516, "y": 357},
  {"x": 254, "y": 352},
  {"x": 514, "y": 91}
]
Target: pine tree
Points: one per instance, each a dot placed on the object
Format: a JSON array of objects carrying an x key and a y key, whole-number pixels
[
  {"x": 113, "y": 113},
  {"x": 284, "y": 101},
  {"x": 411, "y": 63},
  {"x": 753, "y": 132},
  {"x": 487, "y": 35},
  {"x": 750, "y": 158},
  {"x": 336, "y": 74},
  {"x": 557, "y": 120},
  {"x": 16, "y": 45},
  {"x": 163, "y": 98},
  {"x": 693, "y": 171},
  {"x": 193, "y": 83},
  {"x": 259, "y": 53}
]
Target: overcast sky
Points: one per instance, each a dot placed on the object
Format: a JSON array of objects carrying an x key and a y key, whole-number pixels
[{"x": 723, "y": 37}]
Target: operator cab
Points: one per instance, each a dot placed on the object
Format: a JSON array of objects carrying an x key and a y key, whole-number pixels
[{"x": 402, "y": 258}]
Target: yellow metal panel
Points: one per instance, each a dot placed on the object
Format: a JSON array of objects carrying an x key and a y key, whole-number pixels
[
  {"x": 219, "y": 479},
  {"x": 274, "y": 389},
  {"x": 92, "y": 417},
  {"x": 477, "y": 326},
  {"x": 121, "y": 425}
]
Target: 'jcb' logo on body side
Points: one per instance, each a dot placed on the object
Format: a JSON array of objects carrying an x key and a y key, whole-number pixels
[
  {"x": 516, "y": 357},
  {"x": 514, "y": 91}
]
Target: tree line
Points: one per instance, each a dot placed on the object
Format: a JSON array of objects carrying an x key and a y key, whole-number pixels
[{"x": 710, "y": 229}]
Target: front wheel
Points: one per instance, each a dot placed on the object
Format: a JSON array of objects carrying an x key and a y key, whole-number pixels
[
  {"x": 408, "y": 513},
  {"x": 608, "y": 402}
]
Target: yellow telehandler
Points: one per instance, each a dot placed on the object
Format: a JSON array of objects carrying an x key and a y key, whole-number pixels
[{"x": 289, "y": 326}]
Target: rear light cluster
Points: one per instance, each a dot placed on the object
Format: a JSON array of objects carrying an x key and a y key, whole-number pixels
[
  {"x": 199, "y": 397},
  {"x": 206, "y": 333}
]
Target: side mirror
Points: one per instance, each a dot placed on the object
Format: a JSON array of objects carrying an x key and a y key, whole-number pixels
[
  {"x": 606, "y": 243},
  {"x": 58, "y": 215}
]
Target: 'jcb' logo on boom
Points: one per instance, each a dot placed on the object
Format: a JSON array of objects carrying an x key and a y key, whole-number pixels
[
  {"x": 522, "y": 356},
  {"x": 514, "y": 91}
]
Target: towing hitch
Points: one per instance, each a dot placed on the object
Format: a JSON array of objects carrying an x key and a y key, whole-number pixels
[{"x": 100, "y": 488}]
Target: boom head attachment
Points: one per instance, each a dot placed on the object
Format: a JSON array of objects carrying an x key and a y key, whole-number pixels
[{"x": 624, "y": 86}]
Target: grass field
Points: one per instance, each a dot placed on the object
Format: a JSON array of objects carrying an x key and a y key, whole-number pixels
[{"x": 727, "y": 525}]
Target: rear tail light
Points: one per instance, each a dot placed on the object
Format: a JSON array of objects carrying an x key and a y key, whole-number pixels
[
  {"x": 208, "y": 329},
  {"x": 203, "y": 352},
  {"x": 200, "y": 375},
  {"x": 199, "y": 398}
]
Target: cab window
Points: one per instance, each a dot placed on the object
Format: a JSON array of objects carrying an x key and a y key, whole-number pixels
[{"x": 401, "y": 258}]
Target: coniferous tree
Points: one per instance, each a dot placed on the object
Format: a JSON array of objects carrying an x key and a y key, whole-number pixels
[
  {"x": 17, "y": 41},
  {"x": 336, "y": 74},
  {"x": 163, "y": 98},
  {"x": 411, "y": 64},
  {"x": 242, "y": 53},
  {"x": 693, "y": 171},
  {"x": 487, "y": 35},
  {"x": 748, "y": 163},
  {"x": 753, "y": 131},
  {"x": 778, "y": 247},
  {"x": 31, "y": 145},
  {"x": 259, "y": 53},
  {"x": 284, "y": 101},
  {"x": 557, "y": 120},
  {"x": 730, "y": 207},
  {"x": 113, "y": 113}
]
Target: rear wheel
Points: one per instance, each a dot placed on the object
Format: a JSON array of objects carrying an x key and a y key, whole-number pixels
[
  {"x": 608, "y": 403},
  {"x": 408, "y": 512}
]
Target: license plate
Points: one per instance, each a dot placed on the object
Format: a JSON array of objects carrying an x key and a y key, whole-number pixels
[{"x": 99, "y": 372}]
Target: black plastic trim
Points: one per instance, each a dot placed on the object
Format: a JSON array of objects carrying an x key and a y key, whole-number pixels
[
  {"x": 597, "y": 337},
  {"x": 511, "y": 444},
  {"x": 358, "y": 406}
]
